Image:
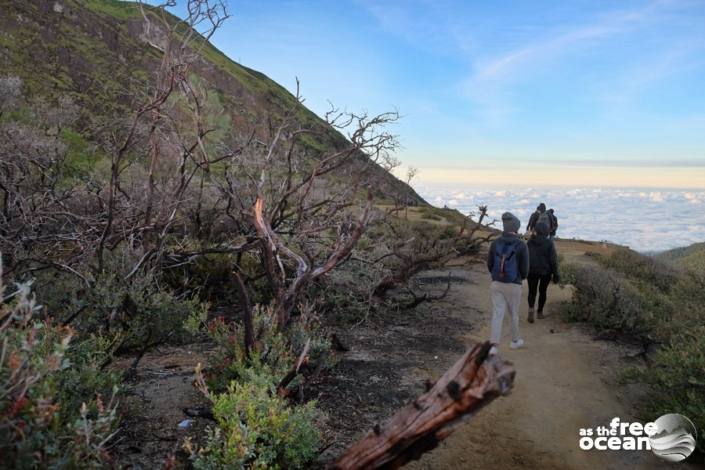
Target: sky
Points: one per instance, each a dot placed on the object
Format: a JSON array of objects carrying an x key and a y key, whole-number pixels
[{"x": 582, "y": 92}]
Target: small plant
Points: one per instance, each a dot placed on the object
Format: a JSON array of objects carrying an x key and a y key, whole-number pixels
[{"x": 255, "y": 427}]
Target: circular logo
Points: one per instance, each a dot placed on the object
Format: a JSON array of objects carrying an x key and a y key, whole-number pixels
[{"x": 674, "y": 439}]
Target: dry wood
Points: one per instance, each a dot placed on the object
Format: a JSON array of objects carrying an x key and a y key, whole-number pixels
[{"x": 472, "y": 382}]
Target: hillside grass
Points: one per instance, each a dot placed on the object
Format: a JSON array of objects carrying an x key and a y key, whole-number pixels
[
  {"x": 690, "y": 257},
  {"x": 118, "y": 9}
]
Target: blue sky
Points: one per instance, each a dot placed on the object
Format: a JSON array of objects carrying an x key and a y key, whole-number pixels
[{"x": 603, "y": 84}]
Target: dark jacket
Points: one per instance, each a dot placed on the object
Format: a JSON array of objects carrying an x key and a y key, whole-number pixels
[
  {"x": 554, "y": 224},
  {"x": 543, "y": 259},
  {"x": 532, "y": 221},
  {"x": 522, "y": 254}
]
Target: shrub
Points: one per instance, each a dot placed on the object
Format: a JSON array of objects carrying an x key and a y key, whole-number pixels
[
  {"x": 644, "y": 269},
  {"x": 654, "y": 303},
  {"x": 38, "y": 428},
  {"x": 676, "y": 378},
  {"x": 275, "y": 350},
  {"x": 256, "y": 428},
  {"x": 610, "y": 302},
  {"x": 126, "y": 314}
]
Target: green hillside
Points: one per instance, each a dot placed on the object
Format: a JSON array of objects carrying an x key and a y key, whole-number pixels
[
  {"x": 690, "y": 257},
  {"x": 98, "y": 52}
]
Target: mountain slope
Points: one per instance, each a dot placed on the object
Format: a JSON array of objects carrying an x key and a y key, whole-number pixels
[
  {"x": 98, "y": 52},
  {"x": 691, "y": 257}
]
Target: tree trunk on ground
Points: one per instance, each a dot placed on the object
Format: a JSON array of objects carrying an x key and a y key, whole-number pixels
[{"x": 472, "y": 382}]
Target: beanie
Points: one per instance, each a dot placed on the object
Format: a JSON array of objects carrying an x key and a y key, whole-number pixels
[{"x": 510, "y": 222}]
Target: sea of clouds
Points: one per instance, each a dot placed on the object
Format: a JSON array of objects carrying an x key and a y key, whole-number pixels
[{"x": 646, "y": 220}]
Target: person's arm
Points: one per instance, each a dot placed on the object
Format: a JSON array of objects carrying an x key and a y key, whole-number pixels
[
  {"x": 553, "y": 260},
  {"x": 490, "y": 257},
  {"x": 523, "y": 260},
  {"x": 532, "y": 222}
]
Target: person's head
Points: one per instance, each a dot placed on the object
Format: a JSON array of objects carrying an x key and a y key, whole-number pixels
[
  {"x": 541, "y": 229},
  {"x": 550, "y": 211},
  {"x": 542, "y": 207},
  {"x": 510, "y": 223}
]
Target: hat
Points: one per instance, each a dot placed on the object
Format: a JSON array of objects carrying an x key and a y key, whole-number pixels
[{"x": 510, "y": 222}]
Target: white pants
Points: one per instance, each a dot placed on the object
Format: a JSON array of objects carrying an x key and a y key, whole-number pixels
[{"x": 504, "y": 296}]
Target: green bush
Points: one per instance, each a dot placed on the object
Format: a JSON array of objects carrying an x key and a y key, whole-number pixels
[
  {"x": 676, "y": 377},
  {"x": 274, "y": 352},
  {"x": 128, "y": 314},
  {"x": 256, "y": 428},
  {"x": 39, "y": 427},
  {"x": 610, "y": 302}
]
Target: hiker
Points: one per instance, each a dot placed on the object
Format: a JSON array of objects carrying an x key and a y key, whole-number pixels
[
  {"x": 543, "y": 267},
  {"x": 508, "y": 262},
  {"x": 539, "y": 214},
  {"x": 554, "y": 223}
]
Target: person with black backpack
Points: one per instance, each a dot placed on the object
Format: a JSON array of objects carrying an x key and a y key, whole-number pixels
[
  {"x": 543, "y": 267},
  {"x": 540, "y": 215},
  {"x": 508, "y": 263}
]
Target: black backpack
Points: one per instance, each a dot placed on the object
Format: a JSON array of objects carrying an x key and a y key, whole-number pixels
[{"x": 545, "y": 217}]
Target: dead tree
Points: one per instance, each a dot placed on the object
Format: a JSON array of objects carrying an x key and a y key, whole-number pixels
[
  {"x": 413, "y": 254},
  {"x": 471, "y": 383}
]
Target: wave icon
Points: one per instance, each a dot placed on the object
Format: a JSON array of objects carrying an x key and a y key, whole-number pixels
[
  {"x": 675, "y": 439},
  {"x": 675, "y": 446}
]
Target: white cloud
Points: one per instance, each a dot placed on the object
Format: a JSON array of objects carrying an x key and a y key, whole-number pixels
[{"x": 645, "y": 221}]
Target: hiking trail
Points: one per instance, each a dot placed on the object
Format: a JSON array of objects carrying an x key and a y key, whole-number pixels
[{"x": 565, "y": 381}]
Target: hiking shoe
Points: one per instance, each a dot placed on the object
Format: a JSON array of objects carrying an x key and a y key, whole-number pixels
[
  {"x": 539, "y": 314},
  {"x": 516, "y": 343},
  {"x": 531, "y": 315},
  {"x": 493, "y": 351}
]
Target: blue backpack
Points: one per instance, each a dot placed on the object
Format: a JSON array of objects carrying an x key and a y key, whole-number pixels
[{"x": 505, "y": 268}]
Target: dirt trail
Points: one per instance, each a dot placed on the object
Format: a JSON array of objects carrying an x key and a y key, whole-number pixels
[{"x": 565, "y": 381}]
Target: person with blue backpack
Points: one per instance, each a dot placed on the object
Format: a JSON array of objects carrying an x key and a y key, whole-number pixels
[{"x": 508, "y": 263}]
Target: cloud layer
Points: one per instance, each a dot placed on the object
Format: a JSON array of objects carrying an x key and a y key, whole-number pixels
[{"x": 645, "y": 220}]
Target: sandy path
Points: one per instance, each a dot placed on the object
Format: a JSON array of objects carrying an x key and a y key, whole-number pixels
[{"x": 565, "y": 381}]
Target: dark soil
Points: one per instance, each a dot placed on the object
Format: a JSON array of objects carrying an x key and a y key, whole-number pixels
[{"x": 391, "y": 358}]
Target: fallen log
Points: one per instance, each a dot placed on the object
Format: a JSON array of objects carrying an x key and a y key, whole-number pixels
[{"x": 471, "y": 383}]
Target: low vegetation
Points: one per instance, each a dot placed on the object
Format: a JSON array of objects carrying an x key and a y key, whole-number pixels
[
  {"x": 56, "y": 409},
  {"x": 661, "y": 307},
  {"x": 170, "y": 218}
]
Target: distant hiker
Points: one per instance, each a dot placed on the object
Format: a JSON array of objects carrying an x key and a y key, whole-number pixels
[
  {"x": 508, "y": 262},
  {"x": 543, "y": 267},
  {"x": 540, "y": 215},
  {"x": 554, "y": 223}
]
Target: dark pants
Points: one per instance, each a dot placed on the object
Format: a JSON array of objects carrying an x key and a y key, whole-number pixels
[{"x": 540, "y": 281}]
